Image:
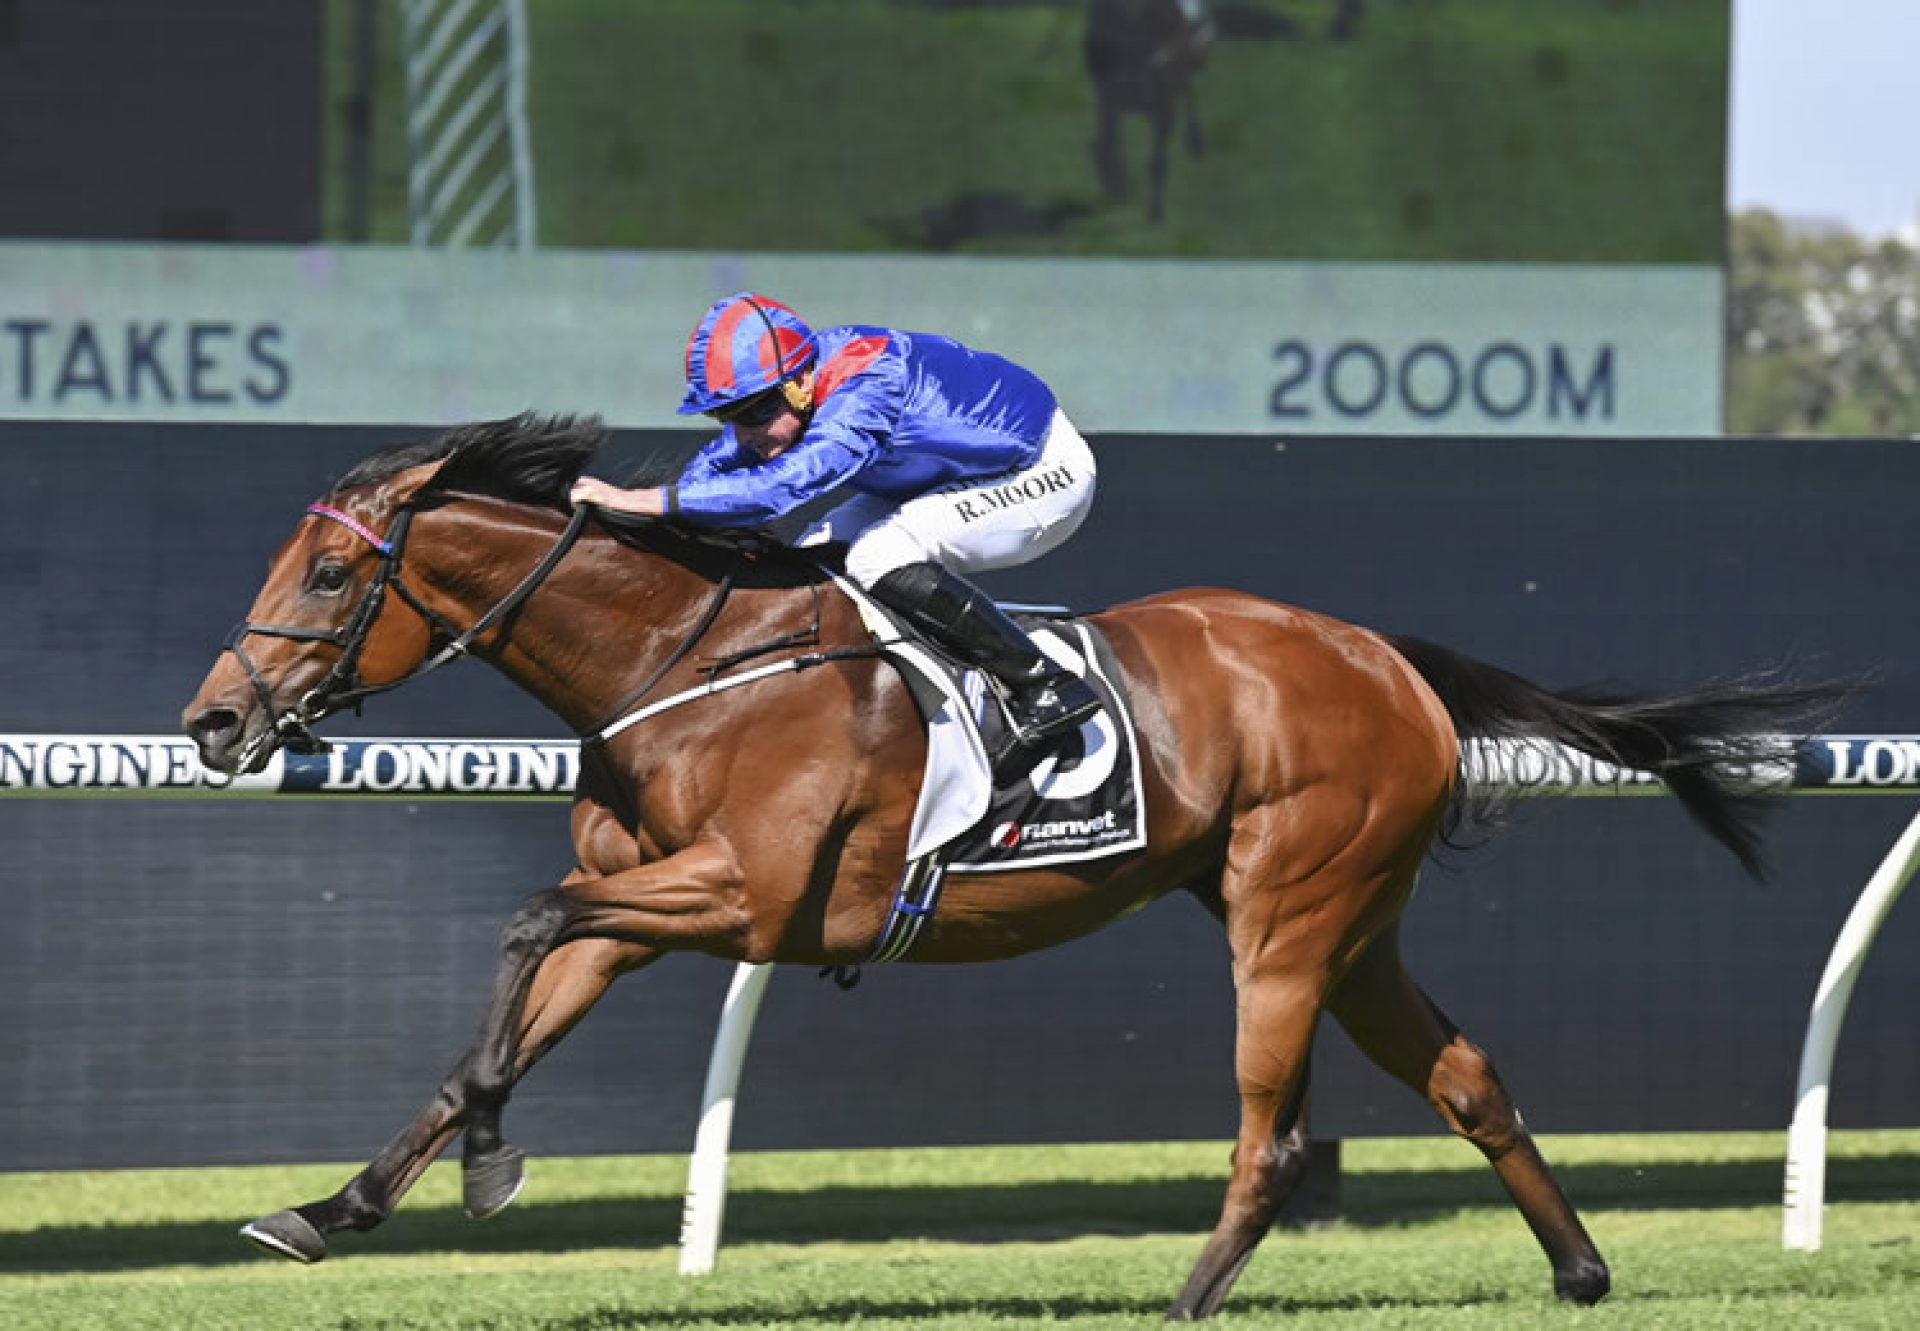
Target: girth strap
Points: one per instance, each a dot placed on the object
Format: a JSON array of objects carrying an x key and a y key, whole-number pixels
[{"x": 913, "y": 903}]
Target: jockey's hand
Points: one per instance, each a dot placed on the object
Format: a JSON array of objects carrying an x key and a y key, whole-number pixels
[{"x": 592, "y": 490}]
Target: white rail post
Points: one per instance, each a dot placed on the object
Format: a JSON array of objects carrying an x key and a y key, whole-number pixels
[
  {"x": 1806, "y": 1182},
  {"x": 706, "y": 1201}
]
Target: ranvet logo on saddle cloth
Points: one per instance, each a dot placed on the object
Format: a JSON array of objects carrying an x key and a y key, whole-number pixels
[{"x": 1081, "y": 802}]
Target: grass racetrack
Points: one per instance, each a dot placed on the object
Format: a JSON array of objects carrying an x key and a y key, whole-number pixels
[{"x": 1063, "y": 1237}]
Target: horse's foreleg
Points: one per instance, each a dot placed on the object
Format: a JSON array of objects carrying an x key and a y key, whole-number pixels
[
  {"x": 492, "y": 1171},
  {"x": 370, "y": 1196},
  {"x": 300, "y": 1232},
  {"x": 559, "y": 953},
  {"x": 1157, "y": 167},
  {"x": 1397, "y": 1026},
  {"x": 683, "y": 901},
  {"x": 567, "y": 983}
]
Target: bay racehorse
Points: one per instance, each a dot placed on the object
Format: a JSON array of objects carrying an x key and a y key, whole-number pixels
[
  {"x": 1297, "y": 771},
  {"x": 1143, "y": 57}
]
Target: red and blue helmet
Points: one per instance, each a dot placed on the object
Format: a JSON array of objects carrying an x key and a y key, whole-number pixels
[{"x": 744, "y": 345}]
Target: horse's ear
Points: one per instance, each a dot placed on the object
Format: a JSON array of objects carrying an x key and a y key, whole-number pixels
[{"x": 424, "y": 488}]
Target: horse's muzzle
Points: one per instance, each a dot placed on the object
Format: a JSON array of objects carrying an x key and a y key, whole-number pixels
[{"x": 221, "y": 735}]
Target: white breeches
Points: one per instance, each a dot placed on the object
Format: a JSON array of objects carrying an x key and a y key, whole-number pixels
[{"x": 969, "y": 526}]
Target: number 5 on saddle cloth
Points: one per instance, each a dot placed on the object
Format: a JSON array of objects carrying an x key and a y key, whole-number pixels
[{"x": 1081, "y": 802}]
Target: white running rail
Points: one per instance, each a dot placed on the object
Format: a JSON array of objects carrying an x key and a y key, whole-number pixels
[
  {"x": 135, "y": 765},
  {"x": 1806, "y": 1185}
]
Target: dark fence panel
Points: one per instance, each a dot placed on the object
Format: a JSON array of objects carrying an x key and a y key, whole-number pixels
[{"x": 189, "y": 982}]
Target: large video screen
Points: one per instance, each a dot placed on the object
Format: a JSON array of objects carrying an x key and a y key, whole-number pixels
[{"x": 1431, "y": 130}]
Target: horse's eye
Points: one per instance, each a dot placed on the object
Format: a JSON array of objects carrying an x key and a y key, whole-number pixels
[{"x": 329, "y": 578}]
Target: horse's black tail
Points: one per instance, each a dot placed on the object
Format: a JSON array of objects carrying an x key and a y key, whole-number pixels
[{"x": 1697, "y": 741}]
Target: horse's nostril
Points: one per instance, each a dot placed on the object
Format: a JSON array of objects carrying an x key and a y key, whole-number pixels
[{"x": 214, "y": 724}]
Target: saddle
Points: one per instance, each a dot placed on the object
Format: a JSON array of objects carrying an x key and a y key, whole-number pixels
[{"x": 1082, "y": 801}]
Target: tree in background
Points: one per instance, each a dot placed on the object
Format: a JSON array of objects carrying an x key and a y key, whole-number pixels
[{"x": 1823, "y": 330}]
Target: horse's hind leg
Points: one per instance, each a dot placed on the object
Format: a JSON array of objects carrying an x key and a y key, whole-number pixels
[
  {"x": 1397, "y": 1026},
  {"x": 1196, "y": 135},
  {"x": 1290, "y": 925},
  {"x": 1277, "y": 1015},
  {"x": 568, "y": 982},
  {"x": 1157, "y": 166}
]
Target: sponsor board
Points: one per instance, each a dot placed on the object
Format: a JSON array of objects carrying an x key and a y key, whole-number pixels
[
  {"x": 386, "y": 336},
  {"x": 109, "y": 764},
  {"x": 160, "y": 764},
  {"x": 439, "y": 767},
  {"x": 1860, "y": 762},
  {"x": 151, "y": 764},
  {"x": 1823, "y": 763}
]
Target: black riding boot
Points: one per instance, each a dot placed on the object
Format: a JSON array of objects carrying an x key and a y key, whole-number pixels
[{"x": 1044, "y": 699}]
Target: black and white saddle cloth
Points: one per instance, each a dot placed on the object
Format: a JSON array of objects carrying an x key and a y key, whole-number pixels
[{"x": 1081, "y": 802}]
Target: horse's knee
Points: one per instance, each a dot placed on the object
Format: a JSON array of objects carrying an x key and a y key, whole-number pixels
[
  {"x": 1466, "y": 1090},
  {"x": 480, "y": 1087}
]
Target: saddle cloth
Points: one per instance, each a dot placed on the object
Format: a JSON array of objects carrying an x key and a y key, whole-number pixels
[{"x": 1081, "y": 802}]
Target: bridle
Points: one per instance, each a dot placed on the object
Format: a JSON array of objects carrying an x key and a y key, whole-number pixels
[{"x": 342, "y": 687}]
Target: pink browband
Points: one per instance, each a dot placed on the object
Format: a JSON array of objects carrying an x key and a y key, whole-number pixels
[{"x": 354, "y": 525}]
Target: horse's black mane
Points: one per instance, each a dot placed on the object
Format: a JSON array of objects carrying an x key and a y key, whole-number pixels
[
  {"x": 528, "y": 459},
  {"x": 535, "y": 459}
]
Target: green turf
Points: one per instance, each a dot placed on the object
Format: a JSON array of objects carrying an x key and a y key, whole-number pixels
[
  {"x": 1074, "y": 1237},
  {"x": 1499, "y": 129}
]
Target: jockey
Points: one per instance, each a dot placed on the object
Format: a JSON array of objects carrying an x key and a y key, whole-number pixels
[
  {"x": 1197, "y": 31},
  {"x": 947, "y": 460}
]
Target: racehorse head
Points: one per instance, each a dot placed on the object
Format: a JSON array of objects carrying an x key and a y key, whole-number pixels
[{"x": 337, "y": 619}]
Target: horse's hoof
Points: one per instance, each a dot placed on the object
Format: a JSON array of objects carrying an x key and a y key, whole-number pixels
[
  {"x": 491, "y": 1182},
  {"x": 286, "y": 1234},
  {"x": 1585, "y": 1283}
]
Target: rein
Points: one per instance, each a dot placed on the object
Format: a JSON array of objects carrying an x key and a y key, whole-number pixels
[
  {"x": 623, "y": 716},
  {"x": 674, "y": 658},
  {"x": 343, "y": 686}
]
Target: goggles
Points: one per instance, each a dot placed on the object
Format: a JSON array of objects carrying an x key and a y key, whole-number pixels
[{"x": 751, "y": 411}]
